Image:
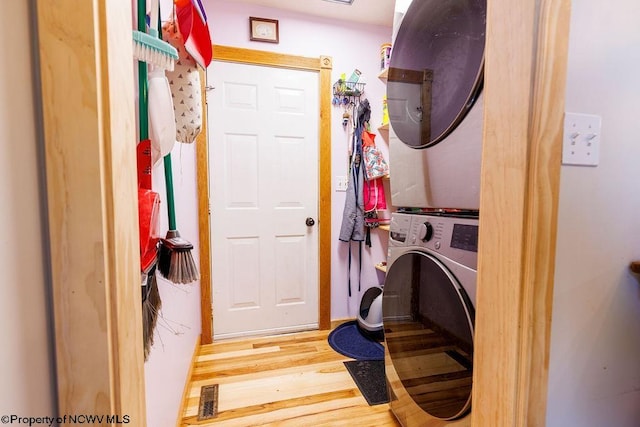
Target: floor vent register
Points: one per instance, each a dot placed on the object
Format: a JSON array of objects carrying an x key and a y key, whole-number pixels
[{"x": 208, "y": 406}]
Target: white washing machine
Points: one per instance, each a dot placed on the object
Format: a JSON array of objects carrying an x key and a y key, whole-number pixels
[{"x": 428, "y": 315}]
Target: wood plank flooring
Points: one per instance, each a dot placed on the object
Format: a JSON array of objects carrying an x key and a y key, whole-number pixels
[{"x": 285, "y": 380}]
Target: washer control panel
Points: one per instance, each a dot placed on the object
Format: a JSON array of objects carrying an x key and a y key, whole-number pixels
[{"x": 453, "y": 237}]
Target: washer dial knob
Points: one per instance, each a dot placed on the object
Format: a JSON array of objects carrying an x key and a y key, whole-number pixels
[{"x": 425, "y": 232}]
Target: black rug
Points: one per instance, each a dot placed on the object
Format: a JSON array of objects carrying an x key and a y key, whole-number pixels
[
  {"x": 370, "y": 378},
  {"x": 347, "y": 340}
]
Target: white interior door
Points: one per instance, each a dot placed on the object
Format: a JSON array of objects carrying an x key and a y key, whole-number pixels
[{"x": 263, "y": 155}]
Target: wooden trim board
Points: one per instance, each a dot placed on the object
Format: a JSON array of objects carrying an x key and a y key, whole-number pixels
[
  {"x": 87, "y": 88},
  {"x": 405, "y": 76},
  {"x": 518, "y": 208},
  {"x": 264, "y": 58},
  {"x": 324, "y": 208},
  {"x": 323, "y": 66},
  {"x": 204, "y": 211}
]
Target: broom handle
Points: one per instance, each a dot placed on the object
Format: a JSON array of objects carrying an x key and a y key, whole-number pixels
[
  {"x": 168, "y": 177},
  {"x": 143, "y": 78}
]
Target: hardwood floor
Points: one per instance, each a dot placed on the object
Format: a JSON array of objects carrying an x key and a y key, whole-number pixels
[{"x": 285, "y": 380}]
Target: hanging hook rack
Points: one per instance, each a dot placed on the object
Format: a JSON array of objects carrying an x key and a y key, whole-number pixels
[{"x": 345, "y": 92}]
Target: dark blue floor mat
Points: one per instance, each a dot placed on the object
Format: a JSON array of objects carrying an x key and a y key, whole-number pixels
[{"x": 347, "y": 340}]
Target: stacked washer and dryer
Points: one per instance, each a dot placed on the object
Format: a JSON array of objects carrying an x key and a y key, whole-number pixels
[{"x": 434, "y": 98}]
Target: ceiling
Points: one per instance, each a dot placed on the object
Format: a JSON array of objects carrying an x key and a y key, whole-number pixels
[{"x": 375, "y": 12}]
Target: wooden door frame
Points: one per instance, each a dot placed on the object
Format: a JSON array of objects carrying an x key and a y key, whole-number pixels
[
  {"x": 322, "y": 66},
  {"x": 524, "y": 91}
]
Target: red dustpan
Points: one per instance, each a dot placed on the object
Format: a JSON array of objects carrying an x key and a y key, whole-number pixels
[
  {"x": 192, "y": 23},
  {"x": 148, "y": 209}
]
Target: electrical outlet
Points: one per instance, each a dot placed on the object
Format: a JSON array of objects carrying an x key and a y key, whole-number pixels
[
  {"x": 341, "y": 183},
  {"x": 581, "y": 139}
]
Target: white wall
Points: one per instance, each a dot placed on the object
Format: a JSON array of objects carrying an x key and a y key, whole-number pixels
[
  {"x": 351, "y": 46},
  {"x": 179, "y": 323},
  {"x": 26, "y": 358},
  {"x": 594, "y": 377}
]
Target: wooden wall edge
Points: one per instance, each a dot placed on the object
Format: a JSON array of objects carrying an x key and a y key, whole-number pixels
[
  {"x": 89, "y": 138},
  {"x": 518, "y": 209},
  {"x": 541, "y": 216},
  {"x": 204, "y": 225}
]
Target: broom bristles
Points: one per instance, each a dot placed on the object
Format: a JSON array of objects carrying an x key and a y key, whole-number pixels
[
  {"x": 150, "y": 308},
  {"x": 176, "y": 262},
  {"x": 154, "y": 51}
]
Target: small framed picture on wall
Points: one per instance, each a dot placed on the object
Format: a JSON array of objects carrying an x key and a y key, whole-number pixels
[{"x": 264, "y": 30}]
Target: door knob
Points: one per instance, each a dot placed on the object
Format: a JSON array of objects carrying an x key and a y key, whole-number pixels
[{"x": 310, "y": 222}]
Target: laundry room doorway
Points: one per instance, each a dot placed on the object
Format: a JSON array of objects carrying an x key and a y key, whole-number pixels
[{"x": 264, "y": 191}]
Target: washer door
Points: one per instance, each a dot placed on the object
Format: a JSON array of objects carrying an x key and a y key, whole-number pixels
[{"x": 428, "y": 324}]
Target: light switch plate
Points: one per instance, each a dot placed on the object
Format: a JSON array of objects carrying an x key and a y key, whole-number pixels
[
  {"x": 341, "y": 183},
  {"x": 581, "y": 139}
]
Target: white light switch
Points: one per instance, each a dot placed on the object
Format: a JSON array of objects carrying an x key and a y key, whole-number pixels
[
  {"x": 341, "y": 183},
  {"x": 581, "y": 139}
]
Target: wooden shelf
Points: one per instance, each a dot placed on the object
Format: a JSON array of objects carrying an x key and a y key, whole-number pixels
[{"x": 382, "y": 266}]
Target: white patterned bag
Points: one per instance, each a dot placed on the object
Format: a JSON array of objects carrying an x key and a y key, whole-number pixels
[{"x": 184, "y": 81}]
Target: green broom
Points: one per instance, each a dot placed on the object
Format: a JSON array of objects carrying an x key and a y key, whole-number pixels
[{"x": 175, "y": 262}]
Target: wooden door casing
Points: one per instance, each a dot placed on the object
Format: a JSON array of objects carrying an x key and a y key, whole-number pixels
[{"x": 322, "y": 65}]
